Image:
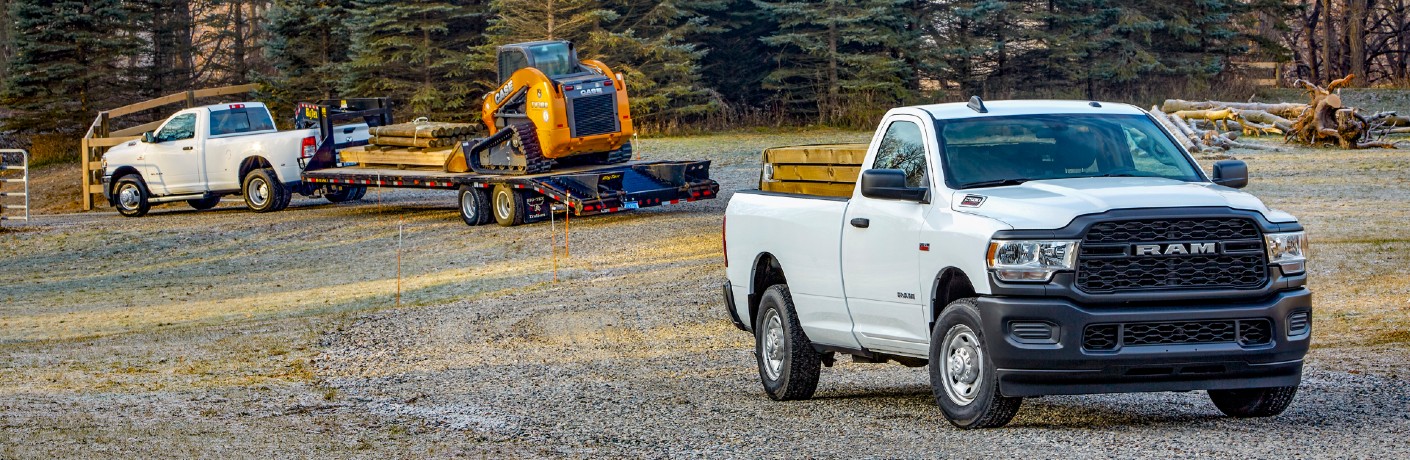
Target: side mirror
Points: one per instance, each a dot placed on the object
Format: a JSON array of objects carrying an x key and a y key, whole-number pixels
[
  {"x": 889, "y": 184},
  {"x": 147, "y": 138},
  {"x": 1231, "y": 173}
]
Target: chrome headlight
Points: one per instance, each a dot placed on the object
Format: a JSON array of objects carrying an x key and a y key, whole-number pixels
[
  {"x": 1288, "y": 250},
  {"x": 1031, "y": 261}
]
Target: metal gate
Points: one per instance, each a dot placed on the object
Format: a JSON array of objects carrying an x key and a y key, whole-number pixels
[{"x": 14, "y": 160}]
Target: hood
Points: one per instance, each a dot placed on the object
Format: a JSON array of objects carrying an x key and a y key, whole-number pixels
[
  {"x": 122, "y": 150},
  {"x": 1049, "y": 204}
]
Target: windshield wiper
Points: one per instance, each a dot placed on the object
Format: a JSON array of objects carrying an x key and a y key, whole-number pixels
[
  {"x": 1122, "y": 174},
  {"x": 995, "y": 183}
]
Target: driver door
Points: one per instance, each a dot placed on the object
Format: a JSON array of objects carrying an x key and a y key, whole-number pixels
[
  {"x": 174, "y": 158},
  {"x": 880, "y": 248}
]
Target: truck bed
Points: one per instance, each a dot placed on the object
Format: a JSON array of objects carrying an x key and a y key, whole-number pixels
[{"x": 586, "y": 189}]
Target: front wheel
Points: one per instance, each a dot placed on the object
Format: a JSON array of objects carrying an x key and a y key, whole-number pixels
[
  {"x": 962, "y": 374},
  {"x": 788, "y": 365},
  {"x": 1253, "y": 402},
  {"x": 130, "y": 196},
  {"x": 474, "y": 206}
]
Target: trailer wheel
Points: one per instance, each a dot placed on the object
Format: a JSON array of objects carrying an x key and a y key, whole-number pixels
[
  {"x": 344, "y": 193},
  {"x": 508, "y": 206},
  {"x": 130, "y": 196},
  {"x": 474, "y": 206},
  {"x": 204, "y": 203},
  {"x": 263, "y": 192}
]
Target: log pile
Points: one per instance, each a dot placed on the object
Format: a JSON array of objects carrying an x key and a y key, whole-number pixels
[
  {"x": 420, "y": 144},
  {"x": 1324, "y": 120}
]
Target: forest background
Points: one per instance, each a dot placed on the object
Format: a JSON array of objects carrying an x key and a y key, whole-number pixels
[{"x": 691, "y": 65}]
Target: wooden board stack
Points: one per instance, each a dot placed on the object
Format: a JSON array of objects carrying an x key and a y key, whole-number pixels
[
  {"x": 825, "y": 170},
  {"x": 419, "y": 145}
]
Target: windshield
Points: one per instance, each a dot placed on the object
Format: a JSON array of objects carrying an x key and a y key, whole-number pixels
[
  {"x": 983, "y": 152},
  {"x": 553, "y": 59}
]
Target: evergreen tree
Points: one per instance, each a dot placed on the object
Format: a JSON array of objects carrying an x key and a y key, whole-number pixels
[
  {"x": 166, "y": 60},
  {"x": 419, "y": 52},
  {"x": 308, "y": 47},
  {"x": 734, "y": 65},
  {"x": 63, "y": 68},
  {"x": 838, "y": 58}
]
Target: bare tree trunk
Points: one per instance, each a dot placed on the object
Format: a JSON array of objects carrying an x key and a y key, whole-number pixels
[
  {"x": 4, "y": 39},
  {"x": 238, "y": 66},
  {"x": 1356, "y": 39},
  {"x": 1329, "y": 66},
  {"x": 1310, "y": 33},
  {"x": 833, "y": 89},
  {"x": 550, "y": 19}
]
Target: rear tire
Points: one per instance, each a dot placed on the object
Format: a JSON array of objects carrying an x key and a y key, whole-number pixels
[
  {"x": 788, "y": 365},
  {"x": 1253, "y": 402},
  {"x": 962, "y": 376},
  {"x": 131, "y": 196},
  {"x": 509, "y": 207},
  {"x": 474, "y": 206},
  {"x": 263, "y": 191},
  {"x": 204, "y": 203}
]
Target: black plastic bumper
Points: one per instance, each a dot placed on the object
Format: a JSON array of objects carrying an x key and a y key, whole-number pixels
[{"x": 1064, "y": 366}]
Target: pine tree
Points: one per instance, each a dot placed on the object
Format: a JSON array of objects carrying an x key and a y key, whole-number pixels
[
  {"x": 733, "y": 65},
  {"x": 308, "y": 47},
  {"x": 838, "y": 58},
  {"x": 63, "y": 68},
  {"x": 418, "y": 52}
]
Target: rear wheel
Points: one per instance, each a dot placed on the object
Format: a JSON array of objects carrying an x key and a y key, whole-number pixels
[
  {"x": 263, "y": 191},
  {"x": 130, "y": 196},
  {"x": 788, "y": 365},
  {"x": 1253, "y": 402},
  {"x": 204, "y": 203},
  {"x": 962, "y": 376},
  {"x": 474, "y": 206},
  {"x": 508, "y": 205}
]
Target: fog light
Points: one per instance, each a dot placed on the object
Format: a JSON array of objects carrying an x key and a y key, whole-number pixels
[
  {"x": 1299, "y": 324},
  {"x": 1033, "y": 332}
]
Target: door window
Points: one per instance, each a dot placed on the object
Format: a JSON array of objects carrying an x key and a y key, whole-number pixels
[
  {"x": 510, "y": 61},
  {"x": 180, "y": 127},
  {"x": 903, "y": 148}
]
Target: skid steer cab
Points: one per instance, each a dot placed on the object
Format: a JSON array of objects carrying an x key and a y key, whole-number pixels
[{"x": 552, "y": 108}]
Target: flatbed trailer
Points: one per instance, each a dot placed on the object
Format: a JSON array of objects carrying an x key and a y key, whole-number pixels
[{"x": 582, "y": 190}]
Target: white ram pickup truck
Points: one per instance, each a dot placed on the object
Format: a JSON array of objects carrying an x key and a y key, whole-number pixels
[
  {"x": 1027, "y": 248},
  {"x": 200, "y": 154}
]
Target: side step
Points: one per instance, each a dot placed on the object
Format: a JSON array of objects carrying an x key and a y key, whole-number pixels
[{"x": 168, "y": 199}]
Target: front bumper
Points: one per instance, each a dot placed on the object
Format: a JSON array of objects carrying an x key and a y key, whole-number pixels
[
  {"x": 108, "y": 190},
  {"x": 1064, "y": 366}
]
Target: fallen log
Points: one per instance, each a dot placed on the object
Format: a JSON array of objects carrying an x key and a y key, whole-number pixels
[
  {"x": 423, "y": 142},
  {"x": 1285, "y": 110},
  {"x": 421, "y": 130}
]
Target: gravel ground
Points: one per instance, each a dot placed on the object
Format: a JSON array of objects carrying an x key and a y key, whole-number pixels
[{"x": 278, "y": 335}]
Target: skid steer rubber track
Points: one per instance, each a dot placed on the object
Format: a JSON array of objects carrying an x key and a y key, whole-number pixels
[{"x": 513, "y": 151}]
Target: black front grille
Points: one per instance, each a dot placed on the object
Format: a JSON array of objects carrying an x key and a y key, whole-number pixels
[
  {"x": 1108, "y": 261},
  {"x": 594, "y": 115},
  {"x": 1245, "y": 332}
]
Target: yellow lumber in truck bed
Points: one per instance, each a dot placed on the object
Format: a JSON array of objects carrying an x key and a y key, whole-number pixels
[{"x": 822, "y": 170}]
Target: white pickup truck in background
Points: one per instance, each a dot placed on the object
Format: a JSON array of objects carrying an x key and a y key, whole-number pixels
[
  {"x": 200, "y": 154},
  {"x": 1024, "y": 248}
]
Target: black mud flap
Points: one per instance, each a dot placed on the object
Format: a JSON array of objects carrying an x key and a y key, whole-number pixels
[{"x": 536, "y": 208}]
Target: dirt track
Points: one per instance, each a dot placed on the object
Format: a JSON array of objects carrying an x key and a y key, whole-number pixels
[{"x": 227, "y": 333}]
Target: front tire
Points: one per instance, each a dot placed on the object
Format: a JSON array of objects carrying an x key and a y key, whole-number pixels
[
  {"x": 509, "y": 207},
  {"x": 474, "y": 206},
  {"x": 962, "y": 375},
  {"x": 788, "y": 365},
  {"x": 1253, "y": 402},
  {"x": 130, "y": 196},
  {"x": 263, "y": 191}
]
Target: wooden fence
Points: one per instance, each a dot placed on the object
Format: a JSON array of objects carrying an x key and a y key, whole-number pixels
[{"x": 100, "y": 137}]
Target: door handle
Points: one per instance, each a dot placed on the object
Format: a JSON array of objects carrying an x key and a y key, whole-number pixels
[
  {"x": 861, "y": 222},
  {"x": 187, "y": 148}
]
